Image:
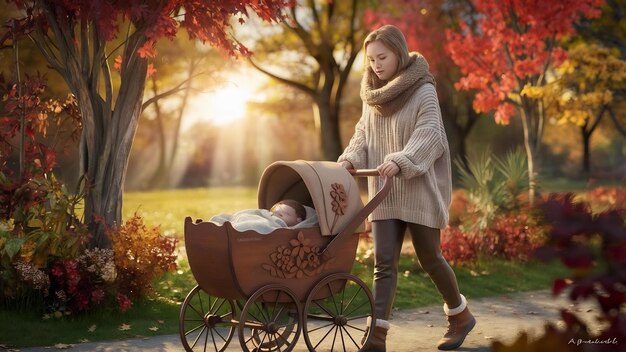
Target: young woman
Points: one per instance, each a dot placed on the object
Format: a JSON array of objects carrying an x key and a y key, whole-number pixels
[{"x": 401, "y": 134}]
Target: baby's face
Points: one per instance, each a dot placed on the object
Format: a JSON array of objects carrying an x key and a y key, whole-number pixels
[{"x": 287, "y": 214}]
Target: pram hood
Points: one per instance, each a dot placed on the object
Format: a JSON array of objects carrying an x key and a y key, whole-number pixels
[{"x": 324, "y": 185}]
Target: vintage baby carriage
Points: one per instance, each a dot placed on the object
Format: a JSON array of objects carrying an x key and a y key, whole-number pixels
[{"x": 273, "y": 287}]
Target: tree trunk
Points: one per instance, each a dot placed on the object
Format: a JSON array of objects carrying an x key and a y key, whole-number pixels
[
  {"x": 326, "y": 121},
  {"x": 159, "y": 176},
  {"x": 531, "y": 138},
  {"x": 586, "y": 137},
  {"x": 108, "y": 137}
]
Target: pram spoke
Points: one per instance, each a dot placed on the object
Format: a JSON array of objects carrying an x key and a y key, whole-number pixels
[
  {"x": 270, "y": 320},
  {"x": 335, "y": 313},
  {"x": 206, "y": 323}
]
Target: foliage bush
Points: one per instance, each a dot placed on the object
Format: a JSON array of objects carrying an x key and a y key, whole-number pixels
[
  {"x": 604, "y": 198},
  {"x": 494, "y": 185},
  {"x": 457, "y": 247},
  {"x": 512, "y": 236},
  {"x": 593, "y": 247},
  {"x": 492, "y": 216},
  {"x": 141, "y": 255},
  {"x": 44, "y": 259}
]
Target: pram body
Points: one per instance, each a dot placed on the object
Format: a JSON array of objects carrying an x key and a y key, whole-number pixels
[{"x": 272, "y": 287}]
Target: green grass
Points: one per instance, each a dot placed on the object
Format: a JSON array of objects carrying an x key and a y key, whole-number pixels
[
  {"x": 25, "y": 329},
  {"x": 562, "y": 184},
  {"x": 169, "y": 208},
  {"x": 486, "y": 278}
]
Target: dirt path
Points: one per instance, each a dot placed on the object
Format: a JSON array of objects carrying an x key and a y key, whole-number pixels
[{"x": 416, "y": 330}]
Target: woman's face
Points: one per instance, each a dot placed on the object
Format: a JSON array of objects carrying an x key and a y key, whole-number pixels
[{"x": 382, "y": 60}]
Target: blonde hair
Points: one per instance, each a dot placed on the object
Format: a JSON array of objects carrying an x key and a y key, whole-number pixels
[{"x": 392, "y": 38}]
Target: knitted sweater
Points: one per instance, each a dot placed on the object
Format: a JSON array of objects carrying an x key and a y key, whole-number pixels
[{"x": 414, "y": 138}]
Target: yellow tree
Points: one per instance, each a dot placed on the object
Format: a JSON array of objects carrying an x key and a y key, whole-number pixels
[{"x": 583, "y": 91}]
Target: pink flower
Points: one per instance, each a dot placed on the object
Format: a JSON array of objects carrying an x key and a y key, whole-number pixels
[
  {"x": 81, "y": 302},
  {"x": 97, "y": 295},
  {"x": 57, "y": 270},
  {"x": 123, "y": 302}
]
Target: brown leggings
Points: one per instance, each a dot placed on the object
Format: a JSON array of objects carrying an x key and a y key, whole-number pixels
[{"x": 388, "y": 236}]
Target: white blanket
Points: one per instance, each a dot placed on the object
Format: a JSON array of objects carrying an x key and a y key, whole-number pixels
[{"x": 262, "y": 220}]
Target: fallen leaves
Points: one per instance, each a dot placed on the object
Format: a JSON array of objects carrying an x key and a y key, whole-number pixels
[
  {"x": 63, "y": 346},
  {"x": 124, "y": 327},
  {"x": 92, "y": 328}
]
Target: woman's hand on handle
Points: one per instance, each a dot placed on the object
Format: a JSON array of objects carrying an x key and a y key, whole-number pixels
[{"x": 388, "y": 168}]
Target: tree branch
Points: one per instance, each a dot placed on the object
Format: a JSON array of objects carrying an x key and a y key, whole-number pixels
[
  {"x": 316, "y": 16},
  {"x": 179, "y": 87},
  {"x": 84, "y": 43},
  {"x": 595, "y": 124},
  {"x": 616, "y": 122},
  {"x": 303, "y": 35},
  {"x": 43, "y": 47},
  {"x": 304, "y": 88}
]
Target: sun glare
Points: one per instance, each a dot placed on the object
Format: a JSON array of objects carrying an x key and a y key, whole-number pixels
[
  {"x": 222, "y": 106},
  {"x": 228, "y": 105}
]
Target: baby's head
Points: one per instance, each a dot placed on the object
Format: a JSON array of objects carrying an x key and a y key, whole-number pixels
[{"x": 290, "y": 211}]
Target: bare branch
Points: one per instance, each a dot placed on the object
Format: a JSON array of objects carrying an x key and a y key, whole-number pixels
[
  {"x": 44, "y": 48},
  {"x": 303, "y": 35},
  {"x": 294, "y": 84},
  {"x": 316, "y": 16},
  {"x": 159, "y": 96},
  {"x": 84, "y": 43},
  {"x": 616, "y": 122}
]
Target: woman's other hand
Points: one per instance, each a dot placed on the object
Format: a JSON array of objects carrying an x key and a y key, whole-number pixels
[
  {"x": 347, "y": 165},
  {"x": 388, "y": 168}
]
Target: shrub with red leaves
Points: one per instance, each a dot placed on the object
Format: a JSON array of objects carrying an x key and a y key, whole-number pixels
[
  {"x": 457, "y": 247},
  {"x": 513, "y": 236},
  {"x": 593, "y": 246}
]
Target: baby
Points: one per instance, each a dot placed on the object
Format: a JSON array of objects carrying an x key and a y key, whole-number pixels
[
  {"x": 290, "y": 211},
  {"x": 286, "y": 213}
]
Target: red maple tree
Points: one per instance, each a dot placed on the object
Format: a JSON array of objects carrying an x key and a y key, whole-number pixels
[
  {"x": 83, "y": 39},
  {"x": 424, "y": 24},
  {"x": 514, "y": 43}
]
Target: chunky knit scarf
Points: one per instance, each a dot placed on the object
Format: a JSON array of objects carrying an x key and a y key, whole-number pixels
[{"x": 387, "y": 97}]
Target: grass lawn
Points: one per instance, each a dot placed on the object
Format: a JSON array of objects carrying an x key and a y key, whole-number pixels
[{"x": 168, "y": 209}]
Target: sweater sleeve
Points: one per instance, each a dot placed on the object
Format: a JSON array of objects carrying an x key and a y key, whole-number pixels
[
  {"x": 426, "y": 143},
  {"x": 356, "y": 151}
]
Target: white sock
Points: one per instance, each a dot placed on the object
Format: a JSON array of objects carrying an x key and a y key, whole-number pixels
[
  {"x": 379, "y": 322},
  {"x": 457, "y": 310}
]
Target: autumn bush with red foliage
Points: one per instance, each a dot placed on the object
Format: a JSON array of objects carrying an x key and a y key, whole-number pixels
[
  {"x": 593, "y": 247},
  {"x": 513, "y": 236},
  {"x": 457, "y": 247},
  {"x": 45, "y": 262}
]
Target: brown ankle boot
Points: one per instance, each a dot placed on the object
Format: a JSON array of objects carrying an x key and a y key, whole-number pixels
[
  {"x": 378, "y": 336},
  {"x": 459, "y": 325}
]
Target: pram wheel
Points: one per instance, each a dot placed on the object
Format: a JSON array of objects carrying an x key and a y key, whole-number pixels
[
  {"x": 270, "y": 320},
  {"x": 206, "y": 323},
  {"x": 335, "y": 314}
]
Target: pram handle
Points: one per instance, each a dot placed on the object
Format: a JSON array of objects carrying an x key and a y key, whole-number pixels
[{"x": 329, "y": 251}]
